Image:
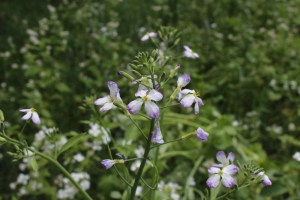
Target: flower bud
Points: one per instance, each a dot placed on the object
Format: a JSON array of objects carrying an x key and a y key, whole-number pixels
[
  {"x": 1, "y": 116},
  {"x": 126, "y": 75},
  {"x": 173, "y": 71},
  {"x": 2, "y": 139},
  {"x": 175, "y": 93}
]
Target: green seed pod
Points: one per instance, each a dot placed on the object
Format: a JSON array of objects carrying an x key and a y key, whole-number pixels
[
  {"x": 2, "y": 139},
  {"x": 126, "y": 75}
]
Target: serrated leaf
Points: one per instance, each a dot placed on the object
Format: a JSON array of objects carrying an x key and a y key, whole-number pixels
[
  {"x": 72, "y": 142},
  {"x": 34, "y": 164}
]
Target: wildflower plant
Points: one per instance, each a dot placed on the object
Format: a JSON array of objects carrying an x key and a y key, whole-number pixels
[{"x": 161, "y": 89}]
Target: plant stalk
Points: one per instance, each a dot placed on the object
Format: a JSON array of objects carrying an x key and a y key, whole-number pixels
[{"x": 145, "y": 156}]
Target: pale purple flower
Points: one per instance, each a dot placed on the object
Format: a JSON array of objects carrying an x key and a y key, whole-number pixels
[
  {"x": 31, "y": 113},
  {"x": 183, "y": 80},
  {"x": 221, "y": 157},
  {"x": 108, "y": 163},
  {"x": 148, "y": 35},
  {"x": 296, "y": 156},
  {"x": 147, "y": 98},
  {"x": 265, "y": 179},
  {"x": 157, "y": 137},
  {"x": 189, "y": 53},
  {"x": 201, "y": 135},
  {"x": 223, "y": 174},
  {"x": 108, "y": 101},
  {"x": 191, "y": 97}
]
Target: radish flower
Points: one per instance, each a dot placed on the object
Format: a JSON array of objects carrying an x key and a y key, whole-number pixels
[
  {"x": 149, "y": 35},
  {"x": 31, "y": 113},
  {"x": 190, "y": 98},
  {"x": 146, "y": 97},
  {"x": 265, "y": 179},
  {"x": 108, "y": 101},
  {"x": 222, "y": 172},
  {"x": 201, "y": 135},
  {"x": 189, "y": 53},
  {"x": 108, "y": 163},
  {"x": 157, "y": 137}
]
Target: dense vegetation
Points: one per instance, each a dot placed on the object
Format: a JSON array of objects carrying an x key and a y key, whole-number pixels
[{"x": 57, "y": 57}]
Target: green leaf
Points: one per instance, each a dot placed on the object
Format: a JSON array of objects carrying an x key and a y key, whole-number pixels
[
  {"x": 72, "y": 142},
  {"x": 34, "y": 164},
  {"x": 275, "y": 190}
]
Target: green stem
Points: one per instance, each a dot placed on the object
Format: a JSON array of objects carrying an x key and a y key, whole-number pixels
[
  {"x": 137, "y": 127},
  {"x": 54, "y": 162},
  {"x": 145, "y": 156}
]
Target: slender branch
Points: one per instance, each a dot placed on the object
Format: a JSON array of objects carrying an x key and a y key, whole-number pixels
[
  {"x": 176, "y": 140},
  {"x": 51, "y": 160},
  {"x": 145, "y": 156},
  {"x": 138, "y": 127}
]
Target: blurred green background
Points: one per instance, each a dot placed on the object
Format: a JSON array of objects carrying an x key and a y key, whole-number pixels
[{"x": 57, "y": 56}]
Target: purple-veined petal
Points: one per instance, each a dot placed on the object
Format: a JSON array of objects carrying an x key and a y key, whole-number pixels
[
  {"x": 27, "y": 115},
  {"x": 187, "y": 101},
  {"x": 107, "y": 107},
  {"x": 157, "y": 137},
  {"x": 187, "y": 91},
  {"x": 196, "y": 109},
  {"x": 201, "y": 135},
  {"x": 199, "y": 101},
  {"x": 228, "y": 181},
  {"x": 221, "y": 157},
  {"x": 114, "y": 90},
  {"x": 25, "y": 110},
  {"x": 183, "y": 80},
  {"x": 230, "y": 169},
  {"x": 155, "y": 95},
  {"x": 35, "y": 118},
  {"x": 266, "y": 181},
  {"x": 213, "y": 181},
  {"x": 141, "y": 92},
  {"x": 231, "y": 156},
  {"x": 107, "y": 163},
  {"x": 102, "y": 101},
  {"x": 187, "y": 48},
  {"x": 152, "y": 109},
  {"x": 213, "y": 170},
  {"x": 135, "y": 106}
]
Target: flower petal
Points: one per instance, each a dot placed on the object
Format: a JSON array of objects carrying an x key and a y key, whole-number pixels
[
  {"x": 183, "y": 80},
  {"x": 266, "y": 180},
  {"x": 114, "y": 90},
  {"x": 187, "y": 101},
  {"x": 107, "y": 107},
  {"x": 108, "y": 163},
  {"x": 196, "y": 108},
  {"x": 230, "y": 169},
  {"x": 228, "y": 181},
  {"x": 141, "y": 92},
  {"x": 213, "y": 170},
  {"x": 35, "y": 118},
  {"x": 25, "y": 110},
  {"x": 152, "y": 109},
  {"x": 157, "y": 137},
  {"x": 155, "y": 95},
  {"x": 199, "y": 101},
  {"x": 102, "y": 101},
  {"x": 135, "y": 106},
  {"x": 187, "y": 48},
  {"x": 231, "y": 156},
  {"x": 187, "y": 91},
  {"x": 213, "y": 181},
  {"x": 221, "y": 157},
  {"x": 27, "y": 115},
  {"x": 202, "y": 135}
]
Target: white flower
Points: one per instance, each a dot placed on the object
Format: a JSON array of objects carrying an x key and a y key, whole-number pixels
[
  {"x": 149, "y": 35},
  {"x": 189, "y": 53},
  {"x": 296, "y": 156},
  {"x": 108, "y": 101},
  {"x": 78, "y": 157},
  {"x": 31, "y": 113},
  {"x": 146, "y": 97},
  {"x": 190, "y": 98},
  {"x": 157, "y": 137}
]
